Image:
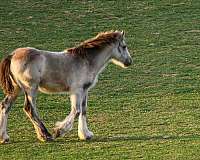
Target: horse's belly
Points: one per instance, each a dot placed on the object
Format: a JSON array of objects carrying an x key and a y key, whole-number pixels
[{"x": 53, "y": 88}]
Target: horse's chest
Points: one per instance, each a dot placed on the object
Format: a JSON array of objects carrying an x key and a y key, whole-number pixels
[{"x": 90, "y": 83}]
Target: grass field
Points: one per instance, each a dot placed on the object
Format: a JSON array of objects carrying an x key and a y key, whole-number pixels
[{"x": 148, "y": 111}]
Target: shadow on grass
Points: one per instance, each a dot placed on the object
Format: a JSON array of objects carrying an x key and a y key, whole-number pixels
[
  {"x": 144, "y": 138},
  {"x": 129, "y": 138},
  {"x": 121, "y": 138}
]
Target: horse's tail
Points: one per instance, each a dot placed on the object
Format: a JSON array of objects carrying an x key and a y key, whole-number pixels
[{"x": 5, "y": 75}]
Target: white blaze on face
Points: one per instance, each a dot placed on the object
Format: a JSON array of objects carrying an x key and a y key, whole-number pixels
[{"x": 118, "y": 63}]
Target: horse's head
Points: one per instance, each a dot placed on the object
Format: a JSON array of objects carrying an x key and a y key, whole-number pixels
[{"x": 120, "y": 55}]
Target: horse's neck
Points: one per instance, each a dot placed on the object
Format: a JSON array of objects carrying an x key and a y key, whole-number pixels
[{"x": 101, "y": 60}]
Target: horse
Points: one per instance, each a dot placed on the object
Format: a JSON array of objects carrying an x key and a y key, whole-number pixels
[{"x": 74, "y": 71}]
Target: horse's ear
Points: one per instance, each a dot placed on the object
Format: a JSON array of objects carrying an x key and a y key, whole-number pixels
[{"x": 123, "y": 33}]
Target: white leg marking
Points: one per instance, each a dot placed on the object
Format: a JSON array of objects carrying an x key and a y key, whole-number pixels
[
  {"x": 3, "y": 125},
  {"x": 67, "y": 123},
  {"x": 83, "y": 131}
]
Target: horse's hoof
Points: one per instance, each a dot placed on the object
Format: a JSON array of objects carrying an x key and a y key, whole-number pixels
[
  {"x": 85, "y": 138},
  {"x": 49, "y": 139},
  {"x": 56, "y": 133},
  {"x": 45, "y": 138},
  {"x": 88, "y": 136},
  {"x": 4, "y": 141}
]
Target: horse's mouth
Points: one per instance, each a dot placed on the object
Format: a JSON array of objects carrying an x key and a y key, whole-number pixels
[{"x": 128, "y": 62}]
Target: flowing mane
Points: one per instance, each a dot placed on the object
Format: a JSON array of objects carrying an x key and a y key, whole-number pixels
[{"x": 102, "y": 40}]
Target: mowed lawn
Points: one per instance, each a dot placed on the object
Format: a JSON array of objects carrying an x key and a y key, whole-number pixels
[{"x": 149, "y": 111}]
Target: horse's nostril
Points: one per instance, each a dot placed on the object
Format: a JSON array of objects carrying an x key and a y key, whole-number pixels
[{"x": 128, "y": 62}]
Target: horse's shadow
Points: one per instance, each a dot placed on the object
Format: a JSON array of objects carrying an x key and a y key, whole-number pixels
[
  {"x": 143, "y": 138},
  {"x": 120, "y": 138},
  {"x": 127, "y": 138}
]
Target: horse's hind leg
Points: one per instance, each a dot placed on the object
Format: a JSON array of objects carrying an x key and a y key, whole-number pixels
[
  {"x": 5, "y": 107},
  {"x": 31, "y": 112}
]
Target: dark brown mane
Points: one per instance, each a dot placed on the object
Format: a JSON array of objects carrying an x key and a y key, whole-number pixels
[{"x": 102, "y": 40}]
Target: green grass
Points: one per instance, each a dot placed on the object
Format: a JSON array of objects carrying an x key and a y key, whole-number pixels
[{"x": 149, "y": 111}]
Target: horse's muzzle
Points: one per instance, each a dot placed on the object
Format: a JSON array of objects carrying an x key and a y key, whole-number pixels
[{"x": 128, "y": 62}]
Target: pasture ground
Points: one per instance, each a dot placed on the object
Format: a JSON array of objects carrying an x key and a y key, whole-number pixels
[{"x": 149, "y": 111}]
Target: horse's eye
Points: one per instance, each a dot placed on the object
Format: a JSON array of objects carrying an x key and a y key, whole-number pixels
[{"x": 124, "y": 47}]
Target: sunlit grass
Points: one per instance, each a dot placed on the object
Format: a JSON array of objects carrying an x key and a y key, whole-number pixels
[{"x": 148, "y": 111}]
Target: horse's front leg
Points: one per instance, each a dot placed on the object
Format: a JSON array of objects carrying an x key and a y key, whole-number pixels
[
  {"x": 83, "y": 131},
  {"x": 66, "y": 125}
]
